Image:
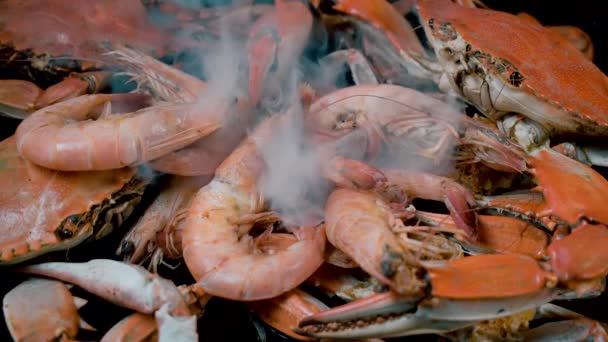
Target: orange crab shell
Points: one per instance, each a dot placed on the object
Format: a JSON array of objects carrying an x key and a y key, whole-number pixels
[
  {"x": 503, "y": 275},
  {"x": 528, "y": 56},
  {"x": 42, "y": 210},
  {"x": 64, "y": 27},
  {"x": 573, "y": 191},
  {"x": 41, "y": 310}
]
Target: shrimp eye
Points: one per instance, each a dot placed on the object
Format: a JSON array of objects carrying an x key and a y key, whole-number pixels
[
  {"x": 127, "y": 247},
  {"x": 342, "y": 117},
  {"x": 432, "y": 23}
]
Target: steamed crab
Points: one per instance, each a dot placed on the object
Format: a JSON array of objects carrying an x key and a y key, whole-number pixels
[{"x": 504, "y": 64}]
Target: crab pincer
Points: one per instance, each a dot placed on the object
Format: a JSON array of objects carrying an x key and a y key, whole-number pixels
[
  {"x": 126, "y": 285},
  {"x": 458, "y": 296},
  {"x": 41, "y": 310}
]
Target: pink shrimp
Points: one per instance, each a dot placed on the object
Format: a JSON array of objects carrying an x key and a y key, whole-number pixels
[
  {"x": 458, "y": 199},
  {"x": 217, "y": 250},
  {"x": 409, "y": 123},
  {"x": 360, "y": 224},
  {"x": 167, "y": 83},
  {"x": 163, "y": 218},
  {"x": 62, "y": 136}
]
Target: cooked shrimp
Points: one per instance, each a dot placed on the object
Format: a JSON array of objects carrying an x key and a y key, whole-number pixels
[
  {"x": 458, "y": 199},
  {"x": 383, "y": 108},
  {"x": 164, "y": 216},
  {"x": 217, "y": 250},
  {"x": 360, "y": 224},
  {"x": 167, "y": 83},
  {"x": 61, "y": 136},
  {"x": 409, "y": 123}
]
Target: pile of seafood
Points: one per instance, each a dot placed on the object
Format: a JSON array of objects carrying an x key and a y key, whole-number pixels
[{"x": 339, "y": 170}]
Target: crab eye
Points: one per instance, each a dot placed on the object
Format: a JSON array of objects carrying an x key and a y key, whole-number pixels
[
  {"x": 469, "y": 47},
  {"x": 64, "y": 233},
  {"x": 74, "y": 219},
  {"x": 432, "y": 23},
  {"x": 515, "y": 79}
]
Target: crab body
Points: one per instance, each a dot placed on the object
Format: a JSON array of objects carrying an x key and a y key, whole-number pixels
[
  {"x": 42, "y": 210},
  {"x": 503, "y": 63}
]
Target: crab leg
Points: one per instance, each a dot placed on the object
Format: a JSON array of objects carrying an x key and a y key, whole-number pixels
[
  {"x": 170, "y": 84},
  {"x": 580, "y": 329},
  {"x": 382, "y": 15},
  {"x": 135, "y": 327},
  {"x": 285, "y": 311},
  {"x": 17, "y": 98},
  {"x": 359, "y": 66}
]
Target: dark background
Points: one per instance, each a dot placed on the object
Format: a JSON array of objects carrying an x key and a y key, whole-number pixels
[{"x": 232, "y": 321}]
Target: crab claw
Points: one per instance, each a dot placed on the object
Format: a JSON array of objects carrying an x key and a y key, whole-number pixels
[
  {"x": 389, "y": 315},
  {"x": 263, "y": 55},
  {"x": 461, "y": 296},
  {"x": 123, "y": 284},
  {"x": 40, "y": 310}
]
